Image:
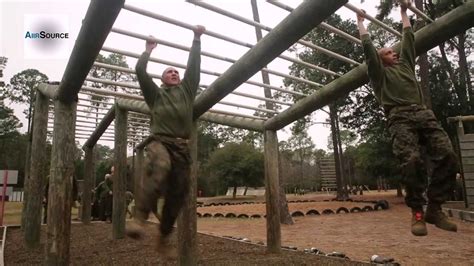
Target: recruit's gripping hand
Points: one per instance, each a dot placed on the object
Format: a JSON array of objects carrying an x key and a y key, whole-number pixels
[
  {"x": 150, "y": 45},
  {"x": 199, "y": 30},
  {"x": 404, "y": 4},
  {"x": 361, "y": 16}
]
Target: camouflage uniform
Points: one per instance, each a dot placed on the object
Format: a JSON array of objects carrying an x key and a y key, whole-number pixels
[
  {"x": 167, "y": 171},
  {"x": 410, "y": 129},
  {"x": 411, "y": 124},
  {"x": 168, "y": 160}
]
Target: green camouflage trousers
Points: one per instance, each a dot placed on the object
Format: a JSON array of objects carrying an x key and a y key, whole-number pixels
[
  {"x": 410, "y": 130},
  {"x": 166, "y": 175}
]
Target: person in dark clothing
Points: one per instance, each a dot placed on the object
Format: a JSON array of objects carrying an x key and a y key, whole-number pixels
[
  {"x": 104, "y": 194},
  {"x": 168, "y": 158},
  {"x": 412, "y": 127}
]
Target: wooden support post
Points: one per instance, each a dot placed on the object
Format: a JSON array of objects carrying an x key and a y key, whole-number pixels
[
  {"x": 271, "y": 191},
  {"x": 88, "y": 184},
  {"x": 26, "y": 183},
  {"x": 187, "y": 220},
  {"x": 60, "y": 184},
  {"x": 37, "y": 178},
  {"x": 138, "y": 173},
  {"x": 120, "y": 175},
  {"x": 285, "y": 216}
]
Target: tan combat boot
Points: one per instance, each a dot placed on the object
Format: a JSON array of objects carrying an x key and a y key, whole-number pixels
[
  {"x": 165, "y": 247},
  {"x": 135, "y": 229},
  {"x": 418, "y": 226},
  {"x": 434, "y": 215}
]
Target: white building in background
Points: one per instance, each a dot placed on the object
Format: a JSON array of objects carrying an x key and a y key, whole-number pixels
[{"x": 11, "y": 180}]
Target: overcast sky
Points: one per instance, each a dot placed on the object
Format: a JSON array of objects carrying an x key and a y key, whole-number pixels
[{"x": 16, "y": 17}]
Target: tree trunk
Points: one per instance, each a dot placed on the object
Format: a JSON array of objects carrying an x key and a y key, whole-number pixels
[
  {"x": 285, "y": 216},
  {"x": 234, "y": 193},
  {"x": 332, "y": 114},
  {"x": 460, "y": 92},
  {"x": 399, "y": 190},
  {"x": 464, "y": 74},
  {"x": 341, "y": 159},
  {"x": 423, "y": 63}
]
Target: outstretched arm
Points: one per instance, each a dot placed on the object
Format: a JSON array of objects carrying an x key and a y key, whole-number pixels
[
  {"x": 408, "y": 40},
  {"x": 360, "y": 24},
  {"x": 147, "y": 85},
  {"x": 193, "y": 69},
  {"x": 372, "y": 59},
  {"x": 404, "y": 5}
]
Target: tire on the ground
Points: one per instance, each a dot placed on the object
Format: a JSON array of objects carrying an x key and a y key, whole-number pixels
[
  {"x": 327, "y": 211},
  {"x": 297, "y": 214},
  {"x": 342, "y": 209},
  {"x": 356, "y": 209},
  {"x": 312, "y": 212}
]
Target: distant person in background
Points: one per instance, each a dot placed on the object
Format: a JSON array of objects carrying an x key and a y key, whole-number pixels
[{"x": 104, "y": 195}]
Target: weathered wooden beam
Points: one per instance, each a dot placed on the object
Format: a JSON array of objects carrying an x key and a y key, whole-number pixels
[
  {"x": 187, "y": 219},
  {"x": 272, "y": 191},
  {"x": 101, "y": 128},
  {"x": 120, "y": 175},
  {"x": 227, "y": 120},
  {"x": 465, "y": 118},
  {"x": 297, "y": 24},
  {"x": 444, "y": 28},
  {"x": 37, "y": 179},
  {"x": 88, "y": 184},
  {"x": 96, "y": 25},
  {"x": 138, "y": 171},
  {"x": 49, "y": 90},
  {"x": 60, "y": 184}
]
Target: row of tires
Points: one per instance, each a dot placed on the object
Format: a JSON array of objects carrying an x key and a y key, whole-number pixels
[
  {"x": 290, "y": 201},
  {"x": 312, "y": 212}
]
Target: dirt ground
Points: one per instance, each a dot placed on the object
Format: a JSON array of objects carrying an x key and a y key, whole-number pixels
[
  {"x": 358, "y": 235},
  {"x": 93, "y": 245}
]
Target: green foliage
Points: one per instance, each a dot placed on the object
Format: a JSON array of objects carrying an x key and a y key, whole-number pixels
[
  {"x": 235, "y": 165},
  {"x": 9, "y": 123},
  {"x": 348, "y": 138},
  {"x": 22, "y": 89}
]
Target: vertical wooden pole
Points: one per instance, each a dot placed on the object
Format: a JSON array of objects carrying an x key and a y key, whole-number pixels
[
  {"x": 187, "y": 220},
  {"x": 87, "y": 185},
  {"x": 285, "y": 216},
  {"x": 271, "y": 191},
  {"x": 120, "y": 175},
  {"x": 138, "y": 173},
  {"x": 36, "y": 180},
  {"x": 60, "y": 184},
  {"x": 26, "y": 184}
]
